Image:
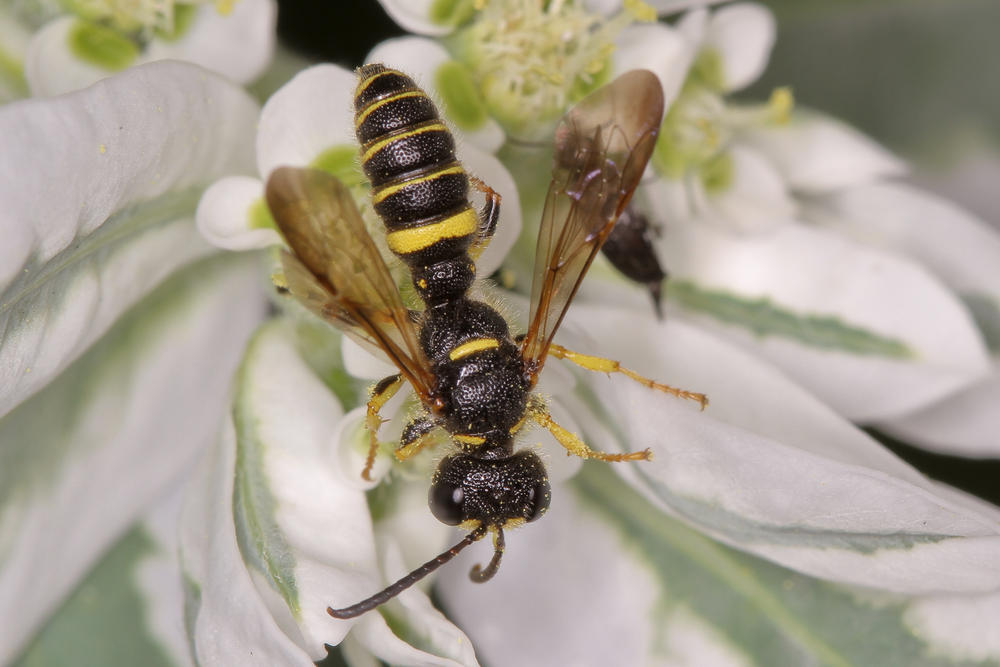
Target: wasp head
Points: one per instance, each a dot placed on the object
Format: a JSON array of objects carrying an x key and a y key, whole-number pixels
[{"x": 496, "y": 493}]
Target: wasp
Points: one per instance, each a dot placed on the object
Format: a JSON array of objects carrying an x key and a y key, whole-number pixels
[{"x": 474, "y": 379}]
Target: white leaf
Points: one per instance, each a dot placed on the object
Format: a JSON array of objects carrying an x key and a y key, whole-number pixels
[
  {"x": 963, "y": 627},
  {"x": 872, "y": 333},
  {"x": 125, "y": 161},
  {"x": 965, "y": 253},
  {"x": 966, "y": 423},
  {"x": 566, "y": 590},
  {"x": 305, "y": 534},
  {"x": 83, "y": 457},
  {"x": 816, "y": 153},
  {"x": 773, "y": 471},
  {"x": 229, "y": 620},
  {"x": 129, "y": 608},
  {"x": 645, "y": 589},
  {"x": 961, "y": 249}
]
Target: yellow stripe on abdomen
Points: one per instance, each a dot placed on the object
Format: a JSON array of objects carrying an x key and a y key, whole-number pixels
[
  {"x": 406, "y": 241},
  {"x": 382, "y": 143},
  {"x": 364, "y": 85},
  {"x": 380, "y": 194},
  {"x": 381, "y": 103},
  {"x": 473, "y": 346}
]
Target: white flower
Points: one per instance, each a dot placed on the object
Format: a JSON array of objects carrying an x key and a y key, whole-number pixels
[
  {"x": 310, "y": 122},
  {"x": 508, "y": 68},
  {"x": 53, "y": 49}
]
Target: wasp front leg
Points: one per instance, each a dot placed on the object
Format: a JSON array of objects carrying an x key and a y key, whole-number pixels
[
  {"x": 602, "y": 365},
  {"x": 380, "y": 395},
  {"x": 572, "y": 442}
]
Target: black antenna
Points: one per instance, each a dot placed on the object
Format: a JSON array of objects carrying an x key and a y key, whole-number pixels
[
  {"x": 478, "y": 574},
  {"x": 413, "y": 577}
]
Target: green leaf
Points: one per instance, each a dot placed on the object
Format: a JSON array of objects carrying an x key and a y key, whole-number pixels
[
  {"x": 460, "y": 94},
  {"x": 102, "y": 46},
  {"x": 261, "y": 540},
  {"x": 771, "y": 615},
  {"x": 762, "y": 317},
  {"x": 84, "y": 455},
  {"x": 452, "y": 12},
  {"x": 125, "y": 161},
  {"x": 105, "y": 621}
]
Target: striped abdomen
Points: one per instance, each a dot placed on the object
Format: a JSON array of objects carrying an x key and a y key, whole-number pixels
[{"x": 418, "y": 187}]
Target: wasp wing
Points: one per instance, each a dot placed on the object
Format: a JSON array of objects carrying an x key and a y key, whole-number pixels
[
  {"x": 336, "y": 271},
  {"x": 602, "y": 146}
]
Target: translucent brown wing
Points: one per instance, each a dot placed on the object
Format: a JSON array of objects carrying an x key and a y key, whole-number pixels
[
  {"x": 602, "y": 146},
  {"x": 336, "y": 271}
]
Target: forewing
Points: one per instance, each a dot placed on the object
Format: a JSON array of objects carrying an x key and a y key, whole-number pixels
[
  {"x": 336, "y": 271},
  {"x": 602, "y": 146}
]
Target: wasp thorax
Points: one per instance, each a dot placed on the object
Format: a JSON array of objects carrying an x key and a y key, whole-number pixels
[
  {"x": 444, "y": 281},
  {"x": 493, "y": 492}
]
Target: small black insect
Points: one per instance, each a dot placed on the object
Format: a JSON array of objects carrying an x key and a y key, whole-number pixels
[
  {"x": 474, "y": 379},
  {"x": 630, "y": 249}
]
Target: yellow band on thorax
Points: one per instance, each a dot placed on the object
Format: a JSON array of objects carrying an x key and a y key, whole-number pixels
[
  {"x": 473, "y": 346},
  {"x": 405, "y": 241},
  {"x": 469, "y": 439}
]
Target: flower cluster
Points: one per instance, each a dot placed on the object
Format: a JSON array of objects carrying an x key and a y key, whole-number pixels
[
  {"x": 49, "y": 47},
  {"x": 810, "y": 290}
]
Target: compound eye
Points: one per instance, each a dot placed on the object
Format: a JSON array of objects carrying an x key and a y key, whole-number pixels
[
  {"x": 538, "y": 498},
  {"x": 447, "y": 502}
]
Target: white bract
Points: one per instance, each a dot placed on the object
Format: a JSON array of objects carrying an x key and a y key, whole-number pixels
[
  {"x": 768, "y": 468},
  {"x": 764, "y": 527},
  {"x": 51, "y": 48},
  {"x": 119, "y": 330},
  {"x": 739, "y": 194},
  {"x": 890, "y": 316}
]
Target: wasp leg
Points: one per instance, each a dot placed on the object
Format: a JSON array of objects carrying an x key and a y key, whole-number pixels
[
  {"x": 602, "y": 365},
  {"x": 380, "y": 395},
  {"x": 415, "y": 437},
  {"x": 574, "y": 445},
  {"x": 488, "y": 216}
]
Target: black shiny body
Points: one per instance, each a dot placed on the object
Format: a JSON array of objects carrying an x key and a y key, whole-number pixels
[
  {"x": 486, "y": 393},
  {"x": 482, "y": 387},
  {"x": 630, "y": 249},
  {"x": 417, "y": 182}
]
